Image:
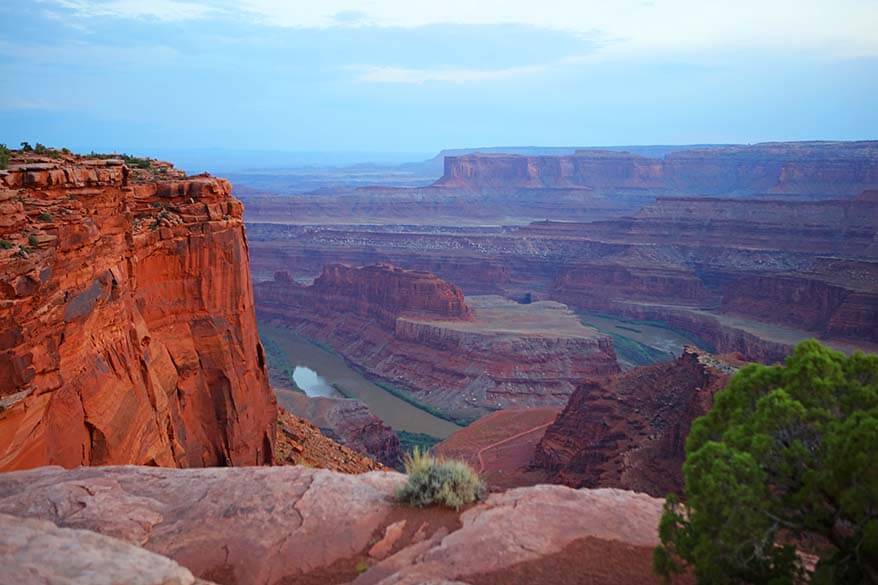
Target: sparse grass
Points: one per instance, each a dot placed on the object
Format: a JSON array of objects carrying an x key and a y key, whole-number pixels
[
  {"x": 437, "y": 481},
  {"x": 6, "y": 244}
]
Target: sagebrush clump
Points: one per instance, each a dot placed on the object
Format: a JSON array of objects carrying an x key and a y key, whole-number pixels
[{"x": 437, "y": 481}]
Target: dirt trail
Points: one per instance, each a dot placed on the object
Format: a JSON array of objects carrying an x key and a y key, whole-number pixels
[{"x": 481, "y": 451}]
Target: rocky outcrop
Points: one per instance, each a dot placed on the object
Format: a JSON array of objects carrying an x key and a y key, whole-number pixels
[
  {"x": 463, "y": 358},
  {"x": 126, "y": 312},
  {"x": 301, "y": 443},
  {"x": 31, "y": 552},
  {"x": 348, "y": 421},
  {"x": 629, "y": 432},
  {"x": 268, "y": 526},
  {"x": 804, "y": 168}
]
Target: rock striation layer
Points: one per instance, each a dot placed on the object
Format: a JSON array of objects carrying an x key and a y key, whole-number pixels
[
  {"x": 629, "y": 432},
  {"x": 267, "y": 526},
  {"x": 753, "y": 276},
  {"x": 798, "y": 168},
  {"x": 461, "y": 356},
  {"x": 127, "y": 319}
]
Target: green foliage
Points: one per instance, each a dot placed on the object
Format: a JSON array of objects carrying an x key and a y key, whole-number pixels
[
  {"x": 5, "y": 155},
  {"x": 786, "y": 456},
  {"x": 45, "y": 216},
  {"x": 32, "y": 241},
  {"x": 437, "y": 481},
  {"x": 26, "y": 147},
  {"x": 40, "y": 148},
  {"x": 6, "y": 244},
  {"x": 411, "y": 441},
  {"x": 133, "y": 161}
]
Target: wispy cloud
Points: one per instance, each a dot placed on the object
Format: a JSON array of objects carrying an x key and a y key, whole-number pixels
[
  {"x": 412, "y": 76},
  {"x": 13, "y": 104},
  {"x": 164, "y": 10}
]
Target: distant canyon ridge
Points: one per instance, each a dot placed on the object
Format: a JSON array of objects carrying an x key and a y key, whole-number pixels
[{"x": 747, "y": 248}]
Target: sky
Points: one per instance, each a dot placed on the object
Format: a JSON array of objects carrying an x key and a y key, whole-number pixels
[{"x": 389, "y": 78}]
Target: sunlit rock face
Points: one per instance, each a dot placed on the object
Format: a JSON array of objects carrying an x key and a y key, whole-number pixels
[{"x": 127, "y": 329}]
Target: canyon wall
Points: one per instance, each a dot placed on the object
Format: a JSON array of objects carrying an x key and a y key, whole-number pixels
[
  {"x": 127, "y": 319},
  {"x": 823, "y": 169},
  {"x": 629, "y": 432},
  {"x": 747, "y": 275},
  {"x": 463, "y": 356}
]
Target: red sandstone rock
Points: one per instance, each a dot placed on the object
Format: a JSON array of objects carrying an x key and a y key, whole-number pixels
[
  {"x": 826, "y": 169},
  {"x": 629, "y": 432},
  {"x": 127, "y": 330},
  {"x": 464, "y": 362},
  {"x": 267, "y": 526},
  {"x": 348, "y": 421},
  {"x": 36, "y": 552},
  {"x": 299, "y": 442}
]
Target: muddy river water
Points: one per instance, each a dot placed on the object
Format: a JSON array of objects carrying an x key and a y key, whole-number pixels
[{"x": 319, "y": 372}]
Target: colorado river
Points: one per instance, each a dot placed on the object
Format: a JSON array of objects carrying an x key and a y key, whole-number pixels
[{"x": 319, "y": 372}]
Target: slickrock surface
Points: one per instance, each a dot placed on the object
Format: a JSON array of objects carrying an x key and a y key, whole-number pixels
[
  {"x": 299, "y": 442},
  {"x": 630, "y": 432},
  {"x": 262, "y": 526},
  {"x": 126, "y": 312},
  {"x": 462, "y": 357},
  {"x": 36, "y": 552}
]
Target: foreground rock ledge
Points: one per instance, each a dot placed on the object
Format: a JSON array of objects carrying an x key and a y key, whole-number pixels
[{"x": 259, "y": 525}]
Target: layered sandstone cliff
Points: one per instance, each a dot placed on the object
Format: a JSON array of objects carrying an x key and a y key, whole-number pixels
[
  {"x": 463, "y": 356},
  {"x": 630, "y": 431},
  {"x": 802, "y": 169},
  {"x": 126, "y": 311}
]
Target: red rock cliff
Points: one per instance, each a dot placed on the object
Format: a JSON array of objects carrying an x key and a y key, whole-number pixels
[
  {"x": 127, "y": 329},
  {"x": 387, "y": 292},
  {"x": 630, "y": 431},
  {"x": 800, "y": 168}
]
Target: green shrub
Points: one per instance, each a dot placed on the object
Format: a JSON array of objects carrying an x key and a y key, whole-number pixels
[
  {"x": 40, "y": 148},
  {"x": 32, "y": 241},
  {"x": 5, "y": 155},
  {"x": 26, "y": 147},
  {"x": 6, "y": 244},
  {"x": 45, "y": 216},
  {"x": 785, "y": 457},
  {"x": 438, "y": 481}
]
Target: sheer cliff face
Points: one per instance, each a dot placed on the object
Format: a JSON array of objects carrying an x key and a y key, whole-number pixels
[
  {"x": 127, "y": 329},
  {"x": 629, "y": 432},
  {"x": 818, "y": 168}
]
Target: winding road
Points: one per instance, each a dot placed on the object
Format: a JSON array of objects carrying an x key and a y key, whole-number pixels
[{"x": 481, "y": 451}]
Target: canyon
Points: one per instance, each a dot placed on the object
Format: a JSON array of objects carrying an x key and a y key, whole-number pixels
[
  {"x": 127, "y": 319},
  {"x": 752, "y": 276},
  {"x": 129, "y": 352},
  {"x": 461, "y": 355}
]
